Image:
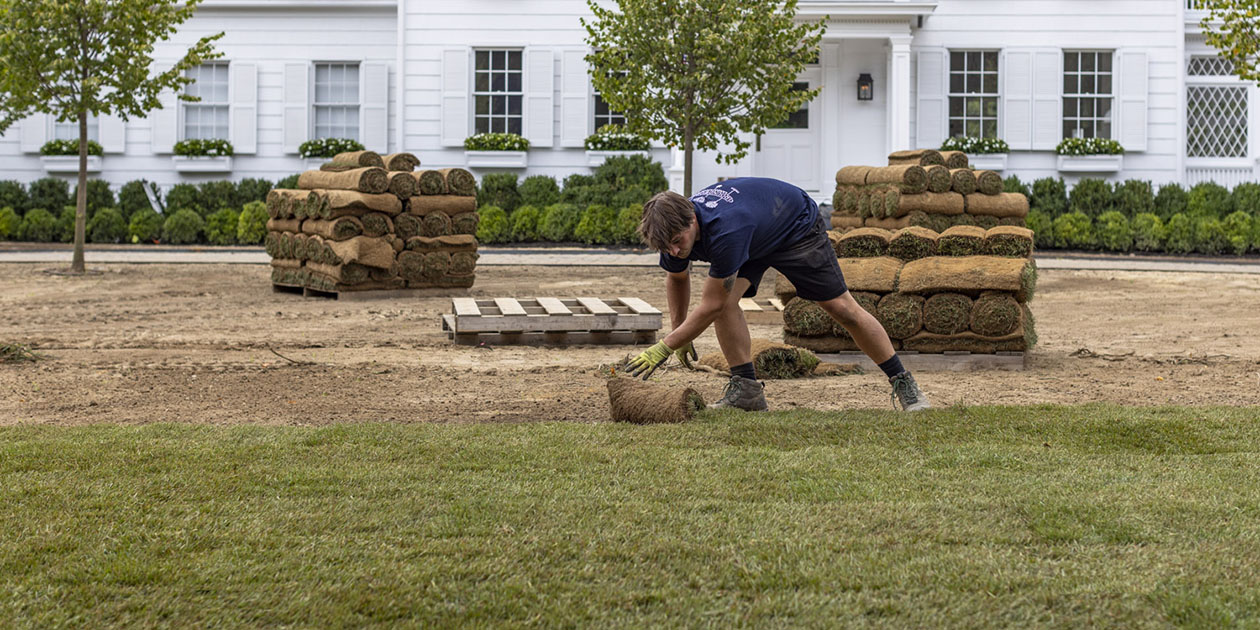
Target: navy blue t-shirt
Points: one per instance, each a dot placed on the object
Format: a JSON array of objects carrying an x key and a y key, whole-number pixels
[{"x": 744, "y": 219}]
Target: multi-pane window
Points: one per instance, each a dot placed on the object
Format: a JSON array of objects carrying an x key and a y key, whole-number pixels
[
  {"x": 337, "y": 100},
  {"x": 497, "y": 91},
  {"x": 973, "y": 93},
  {"x": 208, "y": 118},
  {"x": 1216, "y": 110},
  {"x": 798, "y": 119},
  {"x": 70, "y": 130},
  {"x": 1087, "y": 96},
  {"x": 605, "y": 115}
]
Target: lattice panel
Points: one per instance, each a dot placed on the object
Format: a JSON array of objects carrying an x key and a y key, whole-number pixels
[
  {"x": 1216, "y": 121},
  {"x": 1210, "y": 66}
]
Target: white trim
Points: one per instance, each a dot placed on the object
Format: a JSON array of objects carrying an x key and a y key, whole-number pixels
[
  {"x": 202, "y": 164},
  {"x": 987, "y": 161},
  {"x": 496, "y": 159},
  {"x": 1091, "y": 163},
  {"x": 69, "y": 163},
  {"x": 595, "y": 158}
]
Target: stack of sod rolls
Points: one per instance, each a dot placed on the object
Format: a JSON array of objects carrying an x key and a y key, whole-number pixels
[
  {"x": 359, "y": 223},
  {"x": 964, "y": 289},
  {"x": 923, "y": 188}
]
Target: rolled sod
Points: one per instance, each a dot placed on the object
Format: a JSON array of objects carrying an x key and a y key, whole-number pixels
[
  {"x": 452, "y": 243},
  {"x": 829, "y": 344},
  {"x": 465, "y": 223},
  {"x": 271, "y": 244},
  {"x": 985, "y": 221},
  {"x": 964, "y": 274},
  {"x": 1017, "y": 341},
  {"x": 411, "y": 265},
  {"x": 402, "y": 184},
  {"x": 435, "y": 224},
  {"x": 286, "y": 263},
  {"x": 1013, "y": 221},
  {"x": 383, "y": 275},
  {"x": 852, "y": 175},
  {"x": 947, "y": 313},
  {"x": 449, "y": 205},
  {"x": 912, "y": 243},
  {"x": 283, "y": 203},
  {"x": 892, "y": 201},
  {"x": 837, "y": 198},
  {"x": 346, "y": 273},
  {"x": 803, "y": 317},
  {"x": 330, "y": 204},
  {"x": 845, "y": 222},
  {"x": 988, "y": 182},
  {"x": 436, "y": 265},
  {"x": 950, "y": 203},
  {"x": 890, "y": 225},
  {"x": 783, "y": 289},
  {"x": 908, "y": 178},
  {"x": 634, "y": 401},
  {"x": 284, "y": 244},
  {"x": 962, "y": 181},
  {"x": 938, "y": 179},
  {"x": 901, "y": 314},
  {"x": 955, "y": 159},
  {"x": 940, "y": 222},
  {"x": 995, "y": 314},
  {"x": 463, "y": 263},
  {"x": 833, "y": 237},
  {"x": 376, "y": 224},
  {"x": 771, "y": 359},
  {"x": 922, "y": 157},
  {"x": 338, "y": 229},
  {"x": 407, "y": 225},
  {"x": 358, "y": 159},
  {"x": 299, "y": 246},
  {"x": 863, "y": 243},
  {"x": 367, "y": 251},
  {"x": 872, "y": 274},
  {"x": 1002, "y": 205},
  {"x": 284, "y": 225},
  {"x": 366, "y": 180},
  {"x": 430, "y": 182},
  {"x": 459, "y": 181},
  {"x": 401, "y": 161},
  {"x": 961, "y": 240},
  {"x": 850, "y": 199},
  {"x": 962, "y": 219}
]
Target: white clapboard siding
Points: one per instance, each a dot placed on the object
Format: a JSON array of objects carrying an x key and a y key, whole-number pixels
[
  {"x": 34, "y": 132},
  {"x": 1017, "y": 89},
  {"x": 243, "y": 80},
  {"x": 1133, "y": 87},
  {"x": 933, "y": 107},
  {"x": 374, "y": 107},
  {"x": 540, "y": 70},
  {"x": 574, "y": 96},
  {"x": 113, "y": 133},
  {"x": 455, "y": 85},
  {"x": 1047, "y": 99},
  {"x": 297, "y": 105}
]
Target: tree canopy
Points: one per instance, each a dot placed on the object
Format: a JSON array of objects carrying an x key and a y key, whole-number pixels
[{"x": 1233, "y": 28}]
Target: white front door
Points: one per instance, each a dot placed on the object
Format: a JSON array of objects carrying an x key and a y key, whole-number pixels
[{"x": 789, "y": 151}]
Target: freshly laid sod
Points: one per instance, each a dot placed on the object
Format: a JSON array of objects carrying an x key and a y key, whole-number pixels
[{"x": 965, "y": 517}]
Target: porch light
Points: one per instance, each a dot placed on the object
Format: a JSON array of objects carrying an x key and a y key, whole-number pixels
[{"x": 866, "y": 87}]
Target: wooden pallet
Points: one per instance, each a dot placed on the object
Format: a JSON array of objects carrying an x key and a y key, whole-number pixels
[
  {"x": 933, "y": 362},
  {"x": 551, "y": 321},
  {"x": 376, "y": 294},
  {"x": 762, "y": 310}
]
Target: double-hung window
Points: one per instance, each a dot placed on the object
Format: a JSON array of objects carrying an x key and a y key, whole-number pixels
[
  {"x": 1087, "y": 94},
  {"x": 1216, "y": 109},
  {"x": 207, "y": 119},
  {"x": 336, "y": 100},
  {"x": 973, "y": 93},
  {"x": 497, "y": 92},
  {"x": 70, "y": 130},
  {"x": 604, "y": 114}
]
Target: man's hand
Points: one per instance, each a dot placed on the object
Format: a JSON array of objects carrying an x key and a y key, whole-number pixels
[
  {"x": 649, "y": 360},
  {"x": 686, "y": 355}
]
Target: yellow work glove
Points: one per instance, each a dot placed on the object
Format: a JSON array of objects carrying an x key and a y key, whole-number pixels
[
  {"x": 649, "y": 360},
  {"x": 686, "y": 355}
]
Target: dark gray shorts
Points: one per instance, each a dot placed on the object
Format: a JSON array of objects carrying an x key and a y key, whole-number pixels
[{"x": 810, "y": 264}]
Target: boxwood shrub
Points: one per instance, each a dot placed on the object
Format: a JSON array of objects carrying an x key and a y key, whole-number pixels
[
  {"x": 1050, "y": 196},
  {"x": 10, "y": 223},
  {"x": 494, "y": 226},
  {"x": 1179, "y": 234},
  {"x": 525, "y": 224},
  {"x": 132, "y": 199},
  {"x": 499, "y": 189},
  {"x": 214, "y": 196},
  {"x": 1115, "y": 234},
  {"x": 539, "y": 191},
  {"x": 1209, "y": 235},
  {"x": 183, "y": 196},
  {"x": 1091, "y": 197},
  {"x": 251, "y": 225},
  {"x": 289, "y": 183},
  {"x": 182, "y": 227},
  {"x": 558, "y": 222},
  {"x": 1170, "y": 200},
  {"x": 1148, "y": 232},
  {"x": 145, "y": 226},
  {"x": 38, "y": 225},
  {"x": 1209, "y": 199},
  {"x": 1238, "y": 227},
  {"x": 107, "y": 226},
  {"x": 221, "y": 227},
  {"x": 1012, "y": 184},
  {"x": 1246, "y": 198},
  {"x": 13, "y": 196},
  {"x": 1043, "y": 228},
  {"x": 1074, "y": 230},
  {"x": 65, "y": 224},
  {"x": 627, "y": 230},
  {"x": 1133, "y": 197},
  {"x": 99, "y": 195},
  {"x": 596, "y": 225},
  {"x": 49, "y": 193},
  {"x": 251, "y": 189}
]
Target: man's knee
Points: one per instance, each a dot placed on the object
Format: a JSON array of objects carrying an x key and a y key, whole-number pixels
[{"x": 844, "y": 309}]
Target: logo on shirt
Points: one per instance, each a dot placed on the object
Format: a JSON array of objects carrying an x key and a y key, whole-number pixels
[{"x": 717, "y": 192}]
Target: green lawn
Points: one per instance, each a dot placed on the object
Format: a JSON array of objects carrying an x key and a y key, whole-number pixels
[{"x": 963, "y": 517}]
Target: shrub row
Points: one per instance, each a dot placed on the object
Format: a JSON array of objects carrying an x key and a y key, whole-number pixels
[
  {"x": 1183, "y": 233},
  {"x": 1131, "y": 197},
  {"x": 597, "y": 224}
]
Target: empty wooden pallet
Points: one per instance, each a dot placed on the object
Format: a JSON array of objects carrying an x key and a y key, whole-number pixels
[
  {"x": 762, "y": 310},
  {"x": 551, "y": 321}
]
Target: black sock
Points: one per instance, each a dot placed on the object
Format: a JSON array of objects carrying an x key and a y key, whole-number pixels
[
  {"x": 892, "y": 367},
  {"x": 746, "y": 370}
]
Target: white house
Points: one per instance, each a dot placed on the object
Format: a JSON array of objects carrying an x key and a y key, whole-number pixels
[{"x": 422, "y": 75}]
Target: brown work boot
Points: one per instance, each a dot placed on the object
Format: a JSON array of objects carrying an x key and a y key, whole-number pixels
[{"x": 743, "y": 393}]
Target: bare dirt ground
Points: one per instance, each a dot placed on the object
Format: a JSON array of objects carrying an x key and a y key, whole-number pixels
[{"x": 192, "y": 343}]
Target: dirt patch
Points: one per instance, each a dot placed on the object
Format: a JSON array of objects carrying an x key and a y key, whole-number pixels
[{"x": 193, "y": 343}]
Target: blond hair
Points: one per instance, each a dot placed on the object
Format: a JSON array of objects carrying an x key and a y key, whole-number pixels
[{"x": 665, "y": 216}]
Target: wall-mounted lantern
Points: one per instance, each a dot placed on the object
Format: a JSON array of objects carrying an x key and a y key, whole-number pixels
[{"x": 866, "y": 87}]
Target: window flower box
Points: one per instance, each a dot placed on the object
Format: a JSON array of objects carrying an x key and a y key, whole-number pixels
[
  {"x": 595, "y": 158},
  {"x": 69, "y": 163},
  {"x": 496, "y": 159},
  {"x": 987, "y": 161},
  {"x": 202, "y": 164},
  {"x": 1091, "y": 163}
]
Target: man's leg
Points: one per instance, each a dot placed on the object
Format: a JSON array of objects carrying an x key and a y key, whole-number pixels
[
  {"x": 743, "y": 391},
  {"x": 873, "y": 341}
]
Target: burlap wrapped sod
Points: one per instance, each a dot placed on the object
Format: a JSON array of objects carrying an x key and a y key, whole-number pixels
[
  {"x": 408, "y": 225},
  {"x": 449, "y": 205},
  {"x": 901, "y": 314},
  {"x": 961, "y": 240},
  {"x": 452, "y": 243},
  {"x": 459, "y": 181},
  {"x": 402, "y": 184},
  {"x": 888, "y": 225},
  {"x": 1002, "y": 205},
  {"x": 1007, "y": 240},
  {"x": 465, "y": 223},
  {"x": 995, "y": 314},
  {"x": 376, "y": 224},
  {"x": 962, "y": 181},
  {"x": 371, "y": 252},
  {"x": 284, "y": 225},
  {"x": 401, "y": 162},
  {"x": 358, "y": 159},
  {"x": 862, "y": 243},
  {"x": 330, "y": 204},
  {"x": 345, "y": 273},
  {"x": 430, "y": 182},
  {"x": 947, "y": 313},
  {"x": 845, "y": 222},
  {"x": 367, "y": 180},
  {"x": 968, "y": 274},
  {"x": 771, "y": 360},
  {"x": 872, "y": 274},
  {"x": 338, "y": 229},
  {"x": 435, "y": 224},
  {"x": 912, "y": 243},
  {"x": 939, "y": 180},
  {"x": 949, "y": 203},
  {"x": 988, "y": 182},
  {"x": 955, "y": 159},
  {"x": 922, "y": 157},
  {"x": 852, "y": 175},
  {"x": 908, "y": 178},
  {"x": 637, "y": 402}
]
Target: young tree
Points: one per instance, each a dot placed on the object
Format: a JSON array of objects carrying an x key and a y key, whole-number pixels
[
  {"x": 76, "y": 58},
  {"x": 697, "y": 73},
  {"x": 1237, "y": 36}
]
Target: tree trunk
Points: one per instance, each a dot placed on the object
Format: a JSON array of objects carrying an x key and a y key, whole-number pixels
[
  {"x": 689, "y": 144},
  {"x": 80, "y": 210}
]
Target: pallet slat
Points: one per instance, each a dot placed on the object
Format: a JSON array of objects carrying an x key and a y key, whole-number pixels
[
  {"x": 509, "y": 306},
  {"x": 638, "y": 306},
  {"x": 465, "y": 306},
  {"x": 596, "y": 306},
  {"x": 554, "y": 306},
  {"x": 746, "y": 304}
]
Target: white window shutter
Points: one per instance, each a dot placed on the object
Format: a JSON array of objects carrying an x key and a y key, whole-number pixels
[
  {"x": 1017, "y": 88},
  {"x": 374, "y": 107},
  {"x": 540, "y": 71},
  {"x": 34, "y": 131},
  {"x": 297, "y": 105},
  {"x": 932, "y": 122},
  {"x": 164, "y": 123},
  {"x": 455, "y": 85},
  {"x": 1131, "y": 115},
  {"x": 244, "y": 119},
  {"x": 113, "y": 133},
  {"x": 1047, "y": 99},
  {"x": 575, "y": 115}
]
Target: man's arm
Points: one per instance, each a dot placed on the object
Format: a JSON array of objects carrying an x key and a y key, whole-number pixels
[
  {"x": 678, "y": 295},
  {"x": 717, "y": 294}
]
